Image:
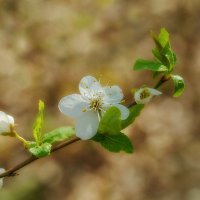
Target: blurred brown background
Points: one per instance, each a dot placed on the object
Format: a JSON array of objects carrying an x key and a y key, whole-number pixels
[{"x": 47, "y": 46}]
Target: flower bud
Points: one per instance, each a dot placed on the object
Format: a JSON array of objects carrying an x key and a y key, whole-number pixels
[
  {"x": 6, "y": 123},
  {"x": 144, "y": 95}
]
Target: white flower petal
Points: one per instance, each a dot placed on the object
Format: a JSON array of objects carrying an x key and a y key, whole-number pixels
[
  {"x": 113, "y": 94},
  {"x": 4, "y": 127},
  {"x": 154, "y": 91},
  {"x": 89, "y": 86},
  {"x": 73, "y": 105},
  {"x": 87, "y": 125},
  {"x": 145, "y": 100},
  {"x": 11, "y": 120},
  {"x": 5, "y": 122},
  {"x": 1, "y": 180},
  {"x": 137, "y": 97},
  {"x": 124, "y": 111},
  {"x": 3, "y": 116}
]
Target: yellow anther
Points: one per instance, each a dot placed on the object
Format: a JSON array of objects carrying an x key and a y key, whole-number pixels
[
  {"x": 144, "y": 94},
  {"x": 84, "y": 110}
]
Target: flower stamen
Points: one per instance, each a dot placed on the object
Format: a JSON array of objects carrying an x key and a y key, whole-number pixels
[
  {"x": 144, "y": 94},
  {"x": 96, "y": 104}
]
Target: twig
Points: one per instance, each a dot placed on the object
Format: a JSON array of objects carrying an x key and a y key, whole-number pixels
[
  {"x": 12, "y": 171},
  {"x": 163, "y": 79}
]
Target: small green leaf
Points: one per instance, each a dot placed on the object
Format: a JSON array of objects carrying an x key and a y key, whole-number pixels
[
  {"x": 169, "y": 55},
  {"x": 157, "y": 54},
  {"x": 134, "y": 112},
  {"x": 110, "y": 122},
  {"x": 156, "y": 41},
  {"x": 161, "y": 57},
  {"x": 174, "y": 58},
  {"x": 149, "y": 65},
  {"x": 163, "y": 51},
  {"x": 37, "y": 130},
  {"x": 163, "y": 37},
  {"x": 114, "y": 143},
  {"x": 179, "y": 85},
  {"x": 40, "y": 151},
  {"x": 59, "y": 134}
]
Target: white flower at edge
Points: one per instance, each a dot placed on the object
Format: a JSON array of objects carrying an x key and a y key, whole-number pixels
[
  {"x": 88, "y": 106},
  {"x": 6, "y": 123},
  {"x": 1, "y": 179},
  {"x": 144, "y": 95}
]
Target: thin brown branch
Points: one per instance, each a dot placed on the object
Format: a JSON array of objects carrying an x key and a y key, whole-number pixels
[
  {"x": 13, "y": 171},
  {"x": 163, "y": 79}
]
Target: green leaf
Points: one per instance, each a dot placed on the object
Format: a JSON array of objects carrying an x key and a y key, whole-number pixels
[
  {"x": 169, "y": 55},
  {"x": 134, "y": 112},
  {"x": 157, "y": 54},
  {"x": 163, "y": 51},
  {"x": 37, "y": 130},
  {"x": 156, "y": 41},
  {"x": 161, "y": 57},
  {"x": 179, "y": 85},
  {"x": 40, "y": 151},
  {"x": 59, "y": 134},
  {"x": 149, "y": 65},
  {"x": 110, "y": 122},
  {"x": 174, "y": 57},
  {"x": 114, "y": 143},
  {"x": 163, "y": 37}
]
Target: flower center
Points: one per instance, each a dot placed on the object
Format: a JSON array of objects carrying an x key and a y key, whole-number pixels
[
  {"x": 144, "y": 94},
  {"x": 96, "y": 104}
]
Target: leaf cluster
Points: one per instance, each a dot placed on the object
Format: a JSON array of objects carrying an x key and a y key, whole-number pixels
[
  {"x": 42, "y": 145},
  {"x": 164, "y": 61},
  {"x": 110, "y": 134}
]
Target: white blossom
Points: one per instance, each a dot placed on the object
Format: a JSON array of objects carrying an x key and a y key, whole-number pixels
[
  {"x": 6, "y": 123},
  {"x": 88, "y": 106},
  {"x": 1, "y": 179},
  {"x": 144, "y": 95}
]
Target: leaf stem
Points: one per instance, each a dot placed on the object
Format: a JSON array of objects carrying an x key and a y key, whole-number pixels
[{"x": 15, "y": 134}]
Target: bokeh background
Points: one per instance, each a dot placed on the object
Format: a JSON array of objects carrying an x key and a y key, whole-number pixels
[{"x": 47, "y": 46}]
